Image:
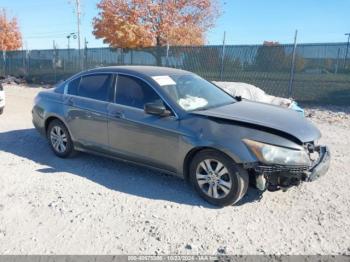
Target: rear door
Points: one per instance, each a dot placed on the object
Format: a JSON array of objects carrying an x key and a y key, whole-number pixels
[{"x": 86, "y": 109}]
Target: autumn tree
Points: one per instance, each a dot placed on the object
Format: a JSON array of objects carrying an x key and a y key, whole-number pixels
[
  {"x": 154, "y": 23},
  {"x": 10, "y": 35}
]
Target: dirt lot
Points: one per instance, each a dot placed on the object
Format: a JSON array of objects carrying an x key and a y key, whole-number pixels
[{"x": 92, "y": 205}]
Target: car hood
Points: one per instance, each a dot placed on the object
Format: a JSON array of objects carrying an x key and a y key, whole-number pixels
[{"x": 267, "y": 116}]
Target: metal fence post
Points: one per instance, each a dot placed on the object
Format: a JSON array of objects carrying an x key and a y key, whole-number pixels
[
  {"x": 4, "y": 61},
  {"x": 54, "y": 61},
  {"x": 85, "y": 64},
  {"x": 290, "y": 87},
  {"x": 131, "y": 56},
  {"x": 223, "y": 57},
  {"x": 2, "y": 66},
  {"x": 347, "y": 51},
  {"x": 337, "y": 63},
  {"x": 28, "y": 63},
  {"x": 167, "y": 55}
]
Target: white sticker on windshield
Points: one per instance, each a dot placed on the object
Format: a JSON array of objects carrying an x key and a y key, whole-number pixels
[
  {"x": 164, "y": 80},
  {"x": 191, "y": 102}
]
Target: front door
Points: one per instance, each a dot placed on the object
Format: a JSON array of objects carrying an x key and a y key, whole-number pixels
[{"x": 139, "y": 136}]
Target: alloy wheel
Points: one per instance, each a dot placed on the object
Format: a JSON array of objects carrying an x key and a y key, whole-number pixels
[
  {"x": 58, "y": 139},
  {"x": 213, "y": 178}
]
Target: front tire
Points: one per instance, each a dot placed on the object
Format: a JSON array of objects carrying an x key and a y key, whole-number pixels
[
  {"x": 59, "y": 139},
  {"x": 217, "y": 178}
]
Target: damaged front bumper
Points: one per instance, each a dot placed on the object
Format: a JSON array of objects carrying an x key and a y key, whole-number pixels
[
  {"x": 273, "y": 177},
  {"x": 322, "y": 165}
]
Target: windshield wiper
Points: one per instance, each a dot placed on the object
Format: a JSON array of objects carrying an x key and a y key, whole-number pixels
[{"x": 238, "y": 98}]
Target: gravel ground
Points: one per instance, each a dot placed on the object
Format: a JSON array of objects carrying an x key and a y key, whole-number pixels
[{"x": 92, "y": 205}]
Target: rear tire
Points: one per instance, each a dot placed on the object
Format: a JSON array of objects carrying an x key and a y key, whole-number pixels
[
  {"x": 59, "y": 139},
  {"x": 217, "y": 178}
]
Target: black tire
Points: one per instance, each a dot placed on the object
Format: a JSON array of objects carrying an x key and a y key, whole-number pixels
[
  {"x": 69, "y": 146},
  {"x": 235, "y": 175},
  {"x": 1, "y": 111}
]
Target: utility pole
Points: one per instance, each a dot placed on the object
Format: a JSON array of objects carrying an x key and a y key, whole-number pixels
[{"x": 347, "y": 50}]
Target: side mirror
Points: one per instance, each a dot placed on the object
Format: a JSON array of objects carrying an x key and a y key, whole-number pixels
[{"x": 156, "y": 109}]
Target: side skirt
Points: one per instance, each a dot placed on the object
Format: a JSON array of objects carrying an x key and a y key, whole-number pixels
[{"x": 81, "y": 149}]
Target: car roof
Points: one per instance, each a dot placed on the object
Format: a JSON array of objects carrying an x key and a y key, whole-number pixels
[{"x": 143, "y": 70}]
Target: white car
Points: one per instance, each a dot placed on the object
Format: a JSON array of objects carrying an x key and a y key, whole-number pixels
[{"x": 2, "y": 99}]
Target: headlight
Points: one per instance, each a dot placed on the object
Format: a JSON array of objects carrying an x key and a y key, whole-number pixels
[{"x": 270, "y": 154}]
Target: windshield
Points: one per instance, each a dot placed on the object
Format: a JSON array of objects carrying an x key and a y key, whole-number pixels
[{"x": 192, "y": 92}]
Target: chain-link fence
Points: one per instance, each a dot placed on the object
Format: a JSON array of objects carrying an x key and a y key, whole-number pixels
[{"x": 322, "y": 71}]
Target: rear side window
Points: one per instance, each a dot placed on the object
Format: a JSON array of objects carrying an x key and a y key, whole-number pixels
[
  {"x": 134, "y": 92},
  {"x": 73, "y": 86},
  {"x": 95, "y": 86}
]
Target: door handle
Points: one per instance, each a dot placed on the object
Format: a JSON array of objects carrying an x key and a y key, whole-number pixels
[{"x": 118, "y": 114}]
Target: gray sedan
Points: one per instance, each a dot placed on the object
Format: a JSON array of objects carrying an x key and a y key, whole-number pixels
[{"x": 179, "y": 123}]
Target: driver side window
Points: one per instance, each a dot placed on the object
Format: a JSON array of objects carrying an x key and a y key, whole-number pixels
[{"x": 134, "y": 92}]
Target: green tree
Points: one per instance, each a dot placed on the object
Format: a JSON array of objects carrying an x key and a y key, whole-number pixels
[
  {"x": 270, "y": 57},
  {"x": 299, "y": 64},
  {"x": 204, "y": 57}
]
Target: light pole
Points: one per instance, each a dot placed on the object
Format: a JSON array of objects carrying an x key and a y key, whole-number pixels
[
  {"x": 347, "y": 50},
  {"x": 68, "y": 39}
]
